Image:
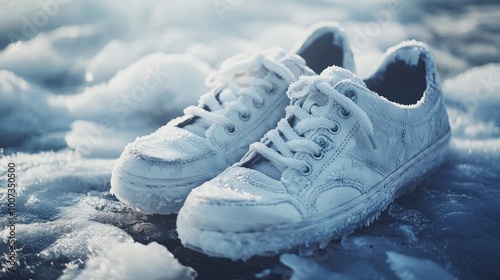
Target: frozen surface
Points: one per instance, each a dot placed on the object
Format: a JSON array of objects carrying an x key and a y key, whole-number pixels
[{"x": 76, "y": 88}]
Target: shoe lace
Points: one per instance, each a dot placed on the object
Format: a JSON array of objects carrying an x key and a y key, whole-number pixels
[
  {"x": 233, "y": 81},
  {"x": 287, "y": 139}
]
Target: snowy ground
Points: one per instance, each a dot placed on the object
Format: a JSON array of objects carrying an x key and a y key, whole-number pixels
[{"x": 73, "y": 93}]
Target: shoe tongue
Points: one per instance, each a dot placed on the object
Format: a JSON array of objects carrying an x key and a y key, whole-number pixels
[
  {"x": 335, "y": 76},
  {"x": 197, "y": 126}
]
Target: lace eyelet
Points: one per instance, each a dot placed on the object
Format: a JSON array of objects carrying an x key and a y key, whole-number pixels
[
  {"x": 245, "y": 117},
  {"x": 335, "y": 129},
  {"x": 323, "y": 142},
  {"x": 345, "y": 113},
  {"x": 258, "y": 104},
  {"x": 307, "y": 171},
  {"x": 271, "y": 91},
  {"x": 351, "y": 94},
  {"x": 230, "y": 129},
  {"x": 318, "y": 156}
]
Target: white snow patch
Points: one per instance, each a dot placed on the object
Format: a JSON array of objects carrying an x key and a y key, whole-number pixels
[
  {"x": 115, "y": 56},
  {"x": 477, "y": 91},
  {"x": 134, "y": 261},
  {"x": 305, "y": 268},
  {"x": 135, "y": 102},
  {"x": 49, "y": 57},
  {"x": 81, "y": 240},
  {"x": 409, "y": 268},
  {"x": 148, "y": 91}
]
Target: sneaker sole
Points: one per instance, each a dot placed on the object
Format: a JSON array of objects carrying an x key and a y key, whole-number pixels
[
  {"x": 153, "y": 196},
  {"x": 316, "y": 230}
]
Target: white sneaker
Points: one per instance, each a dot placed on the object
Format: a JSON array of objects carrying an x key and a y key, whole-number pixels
[
  {"x": 156, "y": 172},
  {"x": 338, "y": 158}
]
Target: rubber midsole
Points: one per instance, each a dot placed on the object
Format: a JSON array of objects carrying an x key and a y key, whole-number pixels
[{"x": 139, "y": 181}]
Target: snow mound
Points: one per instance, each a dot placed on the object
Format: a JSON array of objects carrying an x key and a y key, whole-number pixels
[
  {"x": 25, "y": 111},
  {"x": 148, "y": 91},
  {"x": 477, "y": 92},
  {"x": 115, "y": 56},
  {"x": 135, "y": 102},
  {"x": 135, "y": 261},
  {"x": 51, "y": 56}
]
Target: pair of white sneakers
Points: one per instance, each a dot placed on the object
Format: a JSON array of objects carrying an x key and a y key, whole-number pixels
[{"x": 334, "y": 150}]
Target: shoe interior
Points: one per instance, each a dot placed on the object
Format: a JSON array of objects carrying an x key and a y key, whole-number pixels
[
  {"x": 400, "y": 82},
  {"x": 323, "y": 52}
]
